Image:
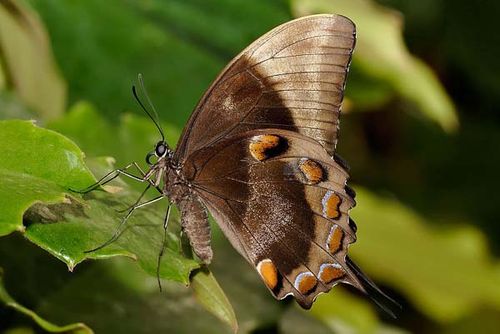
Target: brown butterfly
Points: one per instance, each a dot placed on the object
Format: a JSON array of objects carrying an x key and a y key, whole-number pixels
[{"x": 259, "y": 153}]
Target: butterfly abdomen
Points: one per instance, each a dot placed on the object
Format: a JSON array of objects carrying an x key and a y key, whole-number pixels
[{"x": 197, "y": 228}]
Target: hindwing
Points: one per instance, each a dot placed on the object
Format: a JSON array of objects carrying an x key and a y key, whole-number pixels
[{"x": 281, "y": 200}]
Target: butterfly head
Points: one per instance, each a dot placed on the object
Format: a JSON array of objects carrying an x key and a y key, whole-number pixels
[{"x": 161, "y": 152}]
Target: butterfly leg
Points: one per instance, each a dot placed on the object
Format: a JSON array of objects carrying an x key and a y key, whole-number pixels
[
  {"x": 137, "y": 201},
  {"x": 120, "y": 229},
  {"x": 163, "y": 244},
  {"x": 113, "y": 175}
]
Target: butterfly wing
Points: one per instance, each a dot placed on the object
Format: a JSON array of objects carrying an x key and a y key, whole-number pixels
[
  {"x": 281, "y": 200},
  {"x": 291, "y": 78},
  {"x": 258, "y": 153}
]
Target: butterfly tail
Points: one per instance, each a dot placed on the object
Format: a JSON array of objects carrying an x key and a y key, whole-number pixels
[{"x": 386, "y": 303}]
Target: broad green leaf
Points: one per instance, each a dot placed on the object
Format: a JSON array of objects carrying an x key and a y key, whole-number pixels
[
  {"x": 212, "y": 297},
  {"x": 39, "y": 165},
  {"x": 67, "y": 230},
  {"x": 117, "y": 297},
  {"x": 446, "y": 272},
  {"x": 381, "y": 53},
  {"x": 113, "y": 296},
  {"x": 7, "y": 300},
  {"x": 36, "y": 165},
  {"x": 29, "y": 68}
]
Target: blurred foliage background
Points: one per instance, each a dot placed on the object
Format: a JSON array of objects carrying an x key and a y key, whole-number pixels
[{"x": 419, "y": 128}]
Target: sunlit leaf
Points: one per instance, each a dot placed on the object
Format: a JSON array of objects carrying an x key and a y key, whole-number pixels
[
  {"x": 447, "y": 273},
  {"x": 36, "y": 165},
  {"x": 78, "y": 227},
  {"x": 212, "y": 297},
  {"x": 39, "y": 166},
  {"x": 341, "y": 311},
  {"x": 29, "y": 68}
]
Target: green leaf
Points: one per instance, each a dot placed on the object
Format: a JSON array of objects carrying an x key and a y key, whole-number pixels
[
  {"x": 2, "y": 77},
  {"x": 447, "y": 272},
  {"x": 117, "y": 297},
  {"x": 36, "y": 165},
  {"x": 212, "y": 297},
  {"x": 340, "y": 311},
  {"x": 29, "y": 67},
  {"x": 381, "y": 53},
  {"x": 129, "y": 139},
  {"x": 294, "y": 321},
  {"x": 178, "y": 45},
  {"x": 67, "y": 230},
  {"x": 6, "y": 299}
]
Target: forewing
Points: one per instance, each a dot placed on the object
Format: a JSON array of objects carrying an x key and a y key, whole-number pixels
[
  {"x": 281, "y": 200},
  {"x": 291, "y": 78}
]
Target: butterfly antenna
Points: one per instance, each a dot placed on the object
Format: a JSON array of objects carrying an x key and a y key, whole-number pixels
[
  {"x": 151, "y": 105},
  {"x": 152, "y": 114},
  {"x": 386, "y": 303}
]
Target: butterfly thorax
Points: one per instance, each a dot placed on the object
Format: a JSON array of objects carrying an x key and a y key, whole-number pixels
[{"x": 175, "y": 186}]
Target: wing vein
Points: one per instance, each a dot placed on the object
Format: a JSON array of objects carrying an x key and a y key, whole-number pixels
[{"x": 316, "y": 36}]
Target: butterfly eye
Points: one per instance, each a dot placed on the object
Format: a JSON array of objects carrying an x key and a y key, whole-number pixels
[{"x": 160, "y": 149}]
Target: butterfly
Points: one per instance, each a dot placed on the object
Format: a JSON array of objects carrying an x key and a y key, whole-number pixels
[{"x": 258, "y": 154}]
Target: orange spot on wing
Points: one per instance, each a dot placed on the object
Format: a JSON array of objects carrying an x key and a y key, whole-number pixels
[
  {"x": 261, "y": 145},
  {"x": 268, "y": 272},
  {"x": 311, "y": 170},
  {"x": 330, "y": 272},
  {"x": 334, "y": 242},
  {"x": 331, "y": 205},
  {"x": 305, "y": 282}
]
